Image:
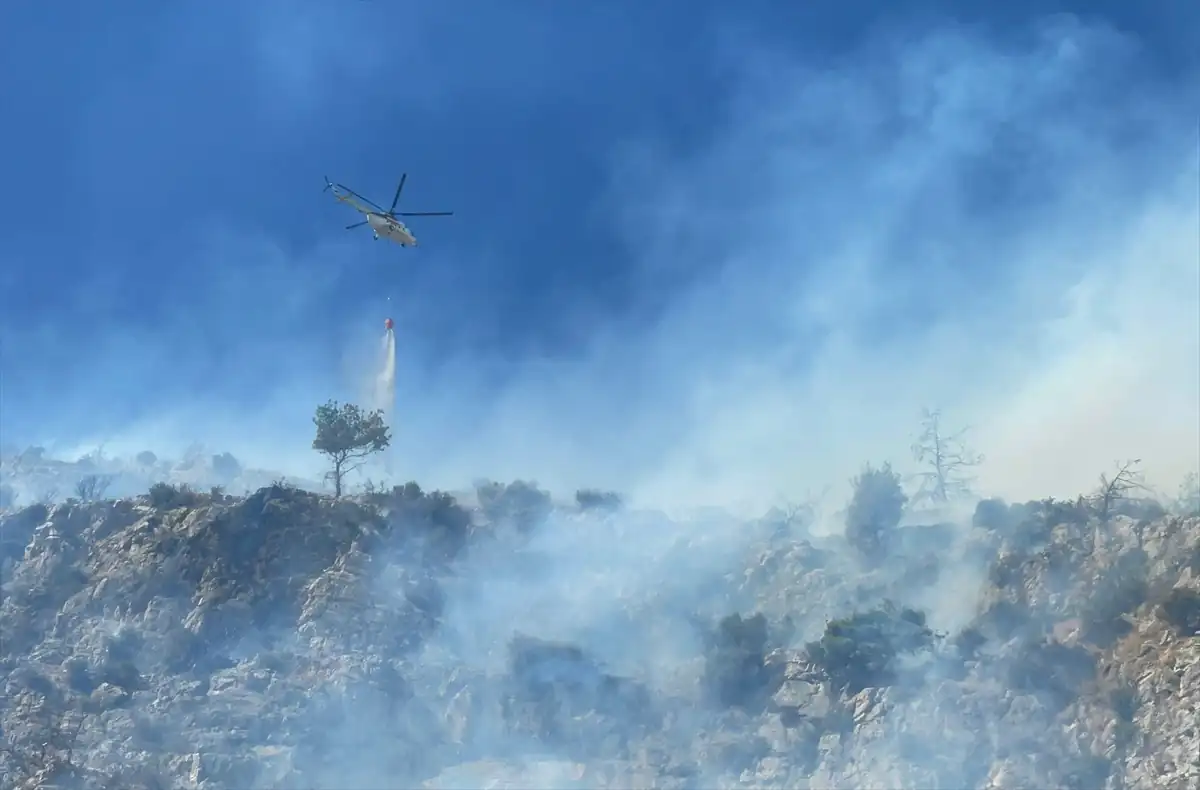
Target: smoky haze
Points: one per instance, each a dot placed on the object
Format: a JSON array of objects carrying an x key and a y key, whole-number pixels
[{"x": 930, "y": 220}]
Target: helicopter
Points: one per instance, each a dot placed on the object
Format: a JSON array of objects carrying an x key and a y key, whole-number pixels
[{"x": 383, "y": 223}]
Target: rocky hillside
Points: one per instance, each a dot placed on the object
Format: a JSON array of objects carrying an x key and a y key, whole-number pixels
[{"x": 287, "y": 640}]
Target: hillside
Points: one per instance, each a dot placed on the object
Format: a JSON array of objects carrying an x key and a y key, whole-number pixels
[
  {"x": 34, "y": 475},
  {"x": 287, "y": 640}
]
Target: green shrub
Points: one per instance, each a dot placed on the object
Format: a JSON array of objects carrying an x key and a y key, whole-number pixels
[
  {"x": 860, "y": 651},
  {"x": 436, "y": 515},
  {"x": 1051, "y": 670},
  {"x": 521, "y": 504},
  {"x": 875, "y": 510},
  {"x": 735, "y": 671},
  {"x": 1121, "y": 589},
  {"x": 588, "y": 499},
  {"x": 1181, "y": 609},
  {"x": 165, "y": 496},
  {"x": 994, "y": 515}
]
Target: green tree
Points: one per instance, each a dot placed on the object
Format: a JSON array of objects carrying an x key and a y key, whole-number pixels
[
  {"x": 348, "y": 435},
  {"x": 876, "y": 507},
  {"x": 862, "y": 651}
]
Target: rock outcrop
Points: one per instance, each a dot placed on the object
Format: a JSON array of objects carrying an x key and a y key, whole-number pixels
[{"x": 290, "y": 640}]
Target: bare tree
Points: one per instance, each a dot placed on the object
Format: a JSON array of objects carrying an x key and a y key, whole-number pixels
[
  {"x": 92, "y": 488},
  {"x": 92, "y": 459},
  {"x": 947, "y": 458},
  {"x": 1118, "y": 487},
  {"x": 792, "y": 515}
]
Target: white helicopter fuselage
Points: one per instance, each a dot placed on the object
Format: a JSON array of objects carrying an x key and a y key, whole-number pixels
[{"x": 391, "y": 229}]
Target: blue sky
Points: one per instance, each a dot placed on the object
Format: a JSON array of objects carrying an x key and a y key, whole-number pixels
[{"x": 660, "y": 206}]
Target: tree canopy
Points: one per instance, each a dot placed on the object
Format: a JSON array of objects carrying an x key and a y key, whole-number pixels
[{"x": 348, "y": 435}]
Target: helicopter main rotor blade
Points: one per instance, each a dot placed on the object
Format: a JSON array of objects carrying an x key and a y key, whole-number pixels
[
  {"x": 423, "y": 214},
  {"x": 399, "y": 187},
  {"x": 374, "y": 206},
  {"x": 350, "y": 193},
  {"x": 356, "y": 225}
]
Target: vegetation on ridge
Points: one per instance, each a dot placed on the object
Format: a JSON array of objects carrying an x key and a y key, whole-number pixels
[{"x": 288, "y": 639}]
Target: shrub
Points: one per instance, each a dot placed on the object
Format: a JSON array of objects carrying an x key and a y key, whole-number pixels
[
  {"x": 1034, "y": 522},
  {"x": 860, "y": 651},
  {"x": 1051, "y": 670},
  {"x": 1006, "y": 570},
  {"x": 445, "y": 523},
  {"x": 876, "y": 507},
  {"x": 993, "y": 514},
  {"x": 1124, "y": 701},
  {"x": 1143, "y": 509},
  {"x": 165, "y": 496},
  {"x": 589, "y": 499},
  {"x": 735, "y": 670},
  {"x": 1121, "y": 590},
  {"x": 969, "y": 641},
  {"x": 557, "y": 691},
  {"x": 1181, "y": 609},
  {"x": 520, "y": 503}
]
